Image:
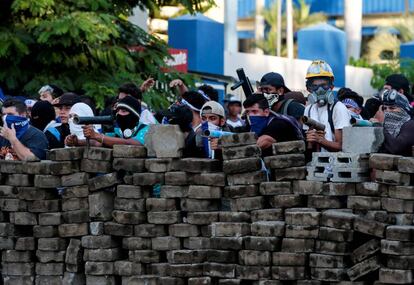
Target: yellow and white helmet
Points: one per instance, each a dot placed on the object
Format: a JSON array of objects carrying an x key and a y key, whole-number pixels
[{"x": 319, "y": 68}]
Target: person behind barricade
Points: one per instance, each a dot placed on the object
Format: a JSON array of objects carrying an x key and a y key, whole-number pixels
[
  {"x": 194, "y": 100},
  {"x": 272, "y": 86},
  {"x": 128, "y": 129},
  {"x": 19, "y": 140},
  {"x": 49, "y": 93},
  {"x": 396, "y": 116},
  {"x": 324, "y": 109},
  {"x": 353, "y": 108},
  {"x": 43, "y": 116},
  {"x": 146, "y": 116},
  {"x": 269, "y": 127},
  {"x": 213, "y": 119},
  {"x": 399, "y": 83},
  {"x": 57, "y": 134},
  {"x": 234, "y": 107},
  {"x": 182, "y": 116},
  {"x": 77, "y": 137}
]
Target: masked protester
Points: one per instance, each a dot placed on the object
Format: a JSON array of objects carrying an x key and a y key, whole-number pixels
[
  {"x": 76, "y": 137},
  {"x": 395, "y": 113},
  {"x": 182, "y": 116},
  {"x": 213, "y": 118},
  {"x": 324, "y": 108},
  {"x": 18, "y": 139},
  {"x": 43, "y": 116},
  {"x": 272, "y": 86},
  {"x": 128, "y": 129},
  {"x": 269, "y": 127},
  {"x": 56, "y": 135},
  {"x": 353, "y": 108}
]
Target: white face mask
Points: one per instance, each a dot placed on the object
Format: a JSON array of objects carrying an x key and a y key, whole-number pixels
[
  {"x": 76, "y": 129},
  {"x": 212, "y": 127}
]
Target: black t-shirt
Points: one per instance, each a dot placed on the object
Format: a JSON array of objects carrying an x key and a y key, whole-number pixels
[
  {"x": 33, "y": 139},
  {"x": 281, "y": 131},
  {"x": 294, "y": 109},
  {"x": 56, "y": 136}
]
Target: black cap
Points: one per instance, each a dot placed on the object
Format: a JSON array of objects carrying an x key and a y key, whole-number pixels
[
  {"x": 194, "y": 100},
  {"x": 274, "y": 79},
  {"x": 67, "y": 99},
  {"x": 397, "y": 82},
  {"x": 131, "y": 104}
]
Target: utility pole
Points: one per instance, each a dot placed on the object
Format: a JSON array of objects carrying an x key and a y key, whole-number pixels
[
  {"x": 259, "y": 23},
  {"x": 289, "y": 28},
  {"x": 230, "y": 25},
  {"x": 279, "y": 28},
  {"x": 353, "y": 27}
]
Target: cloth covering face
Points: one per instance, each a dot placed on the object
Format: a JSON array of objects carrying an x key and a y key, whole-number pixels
[{"x": 81, "y": 110}]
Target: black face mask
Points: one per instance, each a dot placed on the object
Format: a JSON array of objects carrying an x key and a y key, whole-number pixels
[
  {"x": 129, "y": 121},
  {"x": 39, "y": 122}
]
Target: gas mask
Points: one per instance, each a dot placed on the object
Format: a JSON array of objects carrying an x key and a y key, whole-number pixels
[{"x": 322, "y": 96}]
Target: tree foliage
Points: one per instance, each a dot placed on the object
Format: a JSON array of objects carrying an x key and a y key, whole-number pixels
[{"x": 80, "y": 45}]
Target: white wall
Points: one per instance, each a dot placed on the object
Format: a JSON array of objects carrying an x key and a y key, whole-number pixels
[
  {"x": 293, "y": 71},
  {"x": 358, "y": 79}
]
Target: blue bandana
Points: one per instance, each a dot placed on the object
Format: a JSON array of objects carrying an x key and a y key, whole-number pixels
[
  {"x": 258, "y": 123},
  {"x": 21, "y": 124}
]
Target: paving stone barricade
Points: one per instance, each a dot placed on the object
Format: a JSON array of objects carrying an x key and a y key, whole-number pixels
[{"x": 115, "y": 216}]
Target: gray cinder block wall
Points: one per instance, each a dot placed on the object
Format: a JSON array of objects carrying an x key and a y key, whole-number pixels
[{"x": 91, "y": 216}]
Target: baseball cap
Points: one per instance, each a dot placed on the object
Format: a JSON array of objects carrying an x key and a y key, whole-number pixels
[
  {"x": 274, "y": 79},
  {"x": 67, "y": 99},
  {"x": 212, "y": 107}
]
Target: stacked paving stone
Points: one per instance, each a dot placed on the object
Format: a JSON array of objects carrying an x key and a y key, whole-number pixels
[{"x": 93, "y": 216}]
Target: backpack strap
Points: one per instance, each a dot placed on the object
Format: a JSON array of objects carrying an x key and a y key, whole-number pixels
[
  {"x": 286, "y": 106},
  {"x": 330, "y": 118},
  {"x": 309, "y": 111}
]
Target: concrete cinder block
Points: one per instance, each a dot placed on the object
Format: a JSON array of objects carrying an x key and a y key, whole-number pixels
[
  {"x": 289, "y": 147},
  {"x": 129, "y": 151},
  {"x": 164, "y": 141},
  {"x": 238, "y": 139},
  {"x": 362, "y": 140},
  {"x": 237, "y": 152},
  {"x": 384, "y": 161},
  {"x": 242, "y": 165}
]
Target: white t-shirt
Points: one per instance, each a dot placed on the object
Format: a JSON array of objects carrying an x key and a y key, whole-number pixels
[
  {"x": 235, "y": 124},
  {"x": 340, "y": 117}
]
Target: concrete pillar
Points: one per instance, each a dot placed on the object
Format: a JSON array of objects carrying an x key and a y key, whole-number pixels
[
  {"x": 230, "y": 26},
  {"x": 289, "y": 28},
  {"x": 353, "y": 27},
  {"x": 259, "y": 23}
]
